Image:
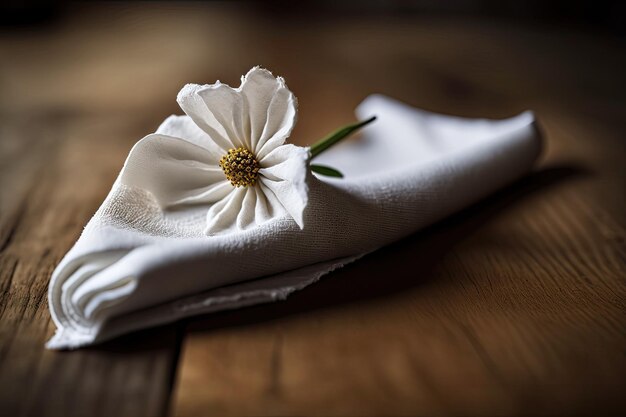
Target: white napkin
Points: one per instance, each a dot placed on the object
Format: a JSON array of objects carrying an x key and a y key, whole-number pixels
[{"x": 132, "y": 268}]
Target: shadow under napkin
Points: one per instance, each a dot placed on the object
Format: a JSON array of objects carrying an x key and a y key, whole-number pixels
[{"x": 405, "y": 265}]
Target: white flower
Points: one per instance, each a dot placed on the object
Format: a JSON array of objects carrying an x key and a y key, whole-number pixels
[{"x": 180, "y": 163}]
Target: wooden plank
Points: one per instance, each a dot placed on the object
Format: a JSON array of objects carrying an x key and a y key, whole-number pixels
[
  {"x": 513, "y": 307},
  {"x": 74, "y": 97},
  {"x": 129, "y": 377}
]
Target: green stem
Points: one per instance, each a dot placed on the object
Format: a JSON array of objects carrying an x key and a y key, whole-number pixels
[{"x": 320, "y": 146}]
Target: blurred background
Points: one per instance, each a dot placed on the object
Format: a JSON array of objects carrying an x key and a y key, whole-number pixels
[
  {"x": 133, "y": 56},
  {"x": 102, "y": 75},
  {"x": 81, "y": 82}
]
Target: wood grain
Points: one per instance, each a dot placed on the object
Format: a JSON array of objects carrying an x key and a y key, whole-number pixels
[
  {"x": 515, "y": 306},
  {"x": 475, "y": 316},
  {"x": 63, "y": 189}
]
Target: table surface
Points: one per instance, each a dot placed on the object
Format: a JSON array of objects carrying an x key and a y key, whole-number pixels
[{"x": 514, "y": 306}]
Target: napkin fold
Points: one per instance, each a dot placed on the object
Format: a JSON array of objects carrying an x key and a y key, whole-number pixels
[{"x": 134, "y": 268}]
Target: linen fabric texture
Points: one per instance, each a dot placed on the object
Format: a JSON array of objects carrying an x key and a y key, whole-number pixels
[{"x": 137, "y": 266}]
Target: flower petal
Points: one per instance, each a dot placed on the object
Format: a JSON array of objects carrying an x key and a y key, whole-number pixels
[
  {"x": 268, "y": 206},
  {"x": 281, "y": 118},
  {"x": 230, "y": 110},
  {"x": 174, "y": 171},
  {"x": 272, "y": 110},
  {"x": 184, "y": 127},
  {"x": 222, "y": 216},
  {"x": 284, "y": 172},
  {"x": 244, "y": 209},
  {"x": 246, "y": 216},
  {"x": 205, "y": 195},
  {"x": 196, "y": 108}
]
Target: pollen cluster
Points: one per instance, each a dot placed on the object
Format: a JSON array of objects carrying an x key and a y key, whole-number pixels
[{"x": 240, "y": 166}]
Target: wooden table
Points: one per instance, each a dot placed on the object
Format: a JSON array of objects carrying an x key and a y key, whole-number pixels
[{"x": 515, "y": 306}]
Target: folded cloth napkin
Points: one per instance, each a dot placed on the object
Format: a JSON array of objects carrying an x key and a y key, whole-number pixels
[{"x": 134, "y": 268}]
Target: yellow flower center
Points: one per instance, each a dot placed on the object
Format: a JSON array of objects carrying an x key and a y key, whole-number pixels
[{"x": 240, "y": 166}]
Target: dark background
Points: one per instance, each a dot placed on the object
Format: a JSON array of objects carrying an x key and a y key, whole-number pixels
[{"x": 605, "y": 15}]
